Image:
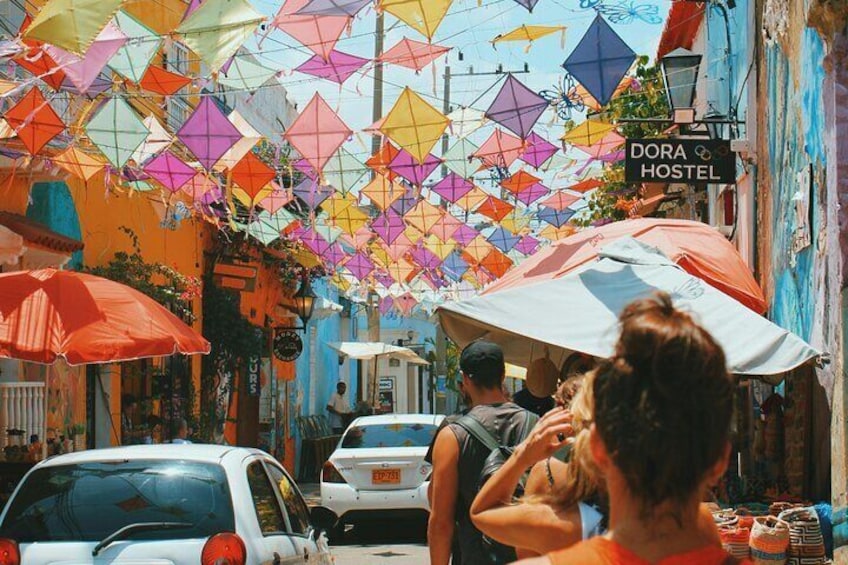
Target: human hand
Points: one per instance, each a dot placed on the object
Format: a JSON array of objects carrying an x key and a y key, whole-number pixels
[{"x": 551, "y": 433}]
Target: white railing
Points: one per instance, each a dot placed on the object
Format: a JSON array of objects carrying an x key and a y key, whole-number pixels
[{"x": 22, "y": 407}]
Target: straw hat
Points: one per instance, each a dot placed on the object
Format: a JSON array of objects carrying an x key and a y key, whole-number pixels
[{"x": 542, "y": 377}]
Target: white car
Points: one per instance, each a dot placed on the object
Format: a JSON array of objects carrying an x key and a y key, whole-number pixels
[
  {"x": 160, "y": 505},
  {"x": 378, "y": 469}
]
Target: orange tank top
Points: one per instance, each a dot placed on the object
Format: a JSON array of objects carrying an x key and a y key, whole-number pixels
[{"x": 601, "y": 551}]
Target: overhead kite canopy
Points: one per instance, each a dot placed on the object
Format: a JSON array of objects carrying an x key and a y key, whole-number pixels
[
  {"x": 413, "y": 54},
  {"x": 600, "y": 60},
  {"x": 133, "y": 58},
  {"x": 414, "y": 124},
  {"x": 169, "y": 171},
  {"x": 35, "y": 122},
  {"x": 529, "y": 33},
  {"x": 458, "y": 158},
  {"x": 421, "y": 15},
  {"x": 516, "y": 107},
  {"x": 116, "y": 131},
  {"x": 317, "y": 133},
  {"x": 208, "y": 133},
  {"x": 465, "y": 121},
  {"x": 333, "y": 7},
  {"x": 245, "y": 74},
  {"x": 338, "y": 67},
  {"x": 158, "y": 80},
  {"x": 216, "y": 29},
  {"x": 72, "y": 24},
  {"x": 252, "y": 175},
  {"x": 79, "y": 164},
  {"x": 588, "y": 133},
  {"x": 318, "y": 33},
  {"x": 405, "y": 166},
  {"x": 83, "y": 71},
  {"x": 538, "y": 150},
  {"x": 157, "y": 140},
  {"x": 500, "y": 150}
]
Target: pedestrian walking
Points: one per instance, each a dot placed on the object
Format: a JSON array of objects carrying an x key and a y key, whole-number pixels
[
  {"x": 339, "y": 409},
  {"x": 461, "y": 451},
  {"x": 665, "y": 384}
]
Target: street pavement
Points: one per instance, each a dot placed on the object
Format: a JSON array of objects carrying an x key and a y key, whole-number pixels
[{"x": 377, "y": 544}]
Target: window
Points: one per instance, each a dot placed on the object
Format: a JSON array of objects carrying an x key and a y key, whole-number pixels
[
  {"x": 176, "y": 61},
  {"x": 268, "y": 510},
  {"x": 89, "y": 501},
  {"x": 295, "y": 505},
  {"x": 389, "y": 435}
]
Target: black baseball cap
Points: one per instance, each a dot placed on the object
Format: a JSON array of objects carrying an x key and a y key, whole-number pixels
[{"x": 482, "y": 359}]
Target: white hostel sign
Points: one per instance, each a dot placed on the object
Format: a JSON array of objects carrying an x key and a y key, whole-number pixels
[{"x": 692, "y": 161}]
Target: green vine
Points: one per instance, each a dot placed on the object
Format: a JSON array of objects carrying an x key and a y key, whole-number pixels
[{"x": 644, "y": 99}]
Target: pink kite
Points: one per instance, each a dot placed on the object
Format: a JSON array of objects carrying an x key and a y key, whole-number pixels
[
  {"x": 561, "y": 200},
  {"x": 412, "y": 54},
  {"x": 169, "y": 171},
  {"x": 319, "y": 34},
  {"x": 338, "y": 67},
  {"x": 208, "y": 133},
  {"x": 533, "y": 193},
  {"x": 528, "y": 245},
  {"x": 610, "y": 142},
  {"x": 538, "y": 150},
  {"x": 82, "y": 71},
  {"x": 445, "y": 227},
  {"x": 500, "y": 150},
  {"x": 407, "y": 167},
  {"x": 452, "y": 187},
  {"x": 317, "y": 133},
  {"x": 276, "y": 199}
]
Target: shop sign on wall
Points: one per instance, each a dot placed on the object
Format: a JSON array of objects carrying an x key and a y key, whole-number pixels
[
  {"x": 254, "y": 377},
  {"x": 694, "y": 161},
  {"x": 287, "y": 346}
]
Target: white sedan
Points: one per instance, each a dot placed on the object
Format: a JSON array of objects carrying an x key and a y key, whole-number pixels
[
  {"x": 160, "y": 505},
  {"x": 378, "y": 469}
]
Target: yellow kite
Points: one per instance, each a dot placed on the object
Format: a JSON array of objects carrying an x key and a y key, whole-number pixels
[
  {"x": 72, "y": 24},
  {"x": 587, "y": 133},
  {"x": 530, "y": 34},
  {"x": 414, "y": 124},
  {"x": 382, "y": 192},
  {"x": 216, "y": 30},
  {"x": 421, "y": 15},
  {"x": 79, "y": 164}
]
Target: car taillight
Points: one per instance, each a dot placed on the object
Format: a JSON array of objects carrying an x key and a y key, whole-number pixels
[
  {"x": 224, "y": 549},
  {"x": 9, "y": 553},
  {"x": 329, "y": 474}
]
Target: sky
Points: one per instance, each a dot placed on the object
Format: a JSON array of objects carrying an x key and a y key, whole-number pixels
[{"x": 494, "y": 17}]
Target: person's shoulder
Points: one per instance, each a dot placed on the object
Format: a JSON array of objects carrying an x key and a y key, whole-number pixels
[{"x": 597, "y": 550}]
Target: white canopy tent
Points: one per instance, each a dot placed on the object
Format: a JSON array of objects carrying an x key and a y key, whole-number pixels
[
  {"x": 579, "y": 313},
  {"x": 366, "y": 351}
]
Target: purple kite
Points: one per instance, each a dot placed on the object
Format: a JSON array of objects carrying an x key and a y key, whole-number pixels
[
  {"x": 528, "y": 245},
  {"x": 538, "y": 150},
  {"x": 516, "y": 107},
  {"x": 465, "y": 234},
  {"x": 337, "y": 68},
  {"x": 425, "y": 258},
  {"x": 389, "y": 226},
  {"x": 208, "y": 133},
  {"x": 333, "y": 7},
  {"x": 312, "y": 194},
  {"x": 311, "y": 239},
  {"x": 600, "y": 61},
  {"x": 452, "y": 187},
  {"x": 407, "y": 167},
  {"x": 533, "y": 193},
  {"x": 169, "y": 171},
  {"x": 405, "y": 203},
  {"x": 360, "y": 266},
  {"x": 334, "y": 254}
]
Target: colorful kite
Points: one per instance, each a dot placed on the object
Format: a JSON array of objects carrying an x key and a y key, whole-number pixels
[
  {"x": 133, "y": 58},
  {"x": 252, "y": 175},
  {"x": 72, "y": 25},
  {"x": 83, "y": 71},
  {"x": 337, "y": 67},
  {"x": 169, "y": 171},
  {"x": 117, "y": 131},
  {"x": 158, "y": 80},
  {"x": 452, "y": 187},
  {"x": 414, "y": 124},
  {"x": 389, "y": 226},
  {"x": 519, "y": 182},
  {"x": 208, "y": 133},
  {"x": 334, "y": 7},
  {"x": 245, "y": 74},
  {"x": 79, "y": 164},
  {"x": 413, "y": 54},
  {"x": 561, "y": 200},
  {"x": 516, "y": 107},
  {"x": 216, "y": 29},
  {"x": 600, "y": 61},
  {"x": 382, "y": 192},
  {"x": 35, "y": 122},
  {"x": 423, "y": 16},
  {"x": 494, "y": 208},
  {"x": 588, "y": 133},
  {"x": 318, "y": 33},
  {"x": 317, "y": 133},
  {"x": 538, "y": 150},
  {"x": 533, "y": 194},
  {"x": 465, "y": 121},
  {"x": 458, "y": 158},
  {"x": 530, "y": 33},
  {"x": 405, "y": 166},
  {"x": 500, "y": 150}
]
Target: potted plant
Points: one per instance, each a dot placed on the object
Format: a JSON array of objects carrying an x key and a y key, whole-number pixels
[{"x": 77, "y": 434}]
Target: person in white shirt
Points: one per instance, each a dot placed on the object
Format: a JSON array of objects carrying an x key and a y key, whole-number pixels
[
  {"x": 338, "y": 407},
  {"x": 180, "y": 432}
]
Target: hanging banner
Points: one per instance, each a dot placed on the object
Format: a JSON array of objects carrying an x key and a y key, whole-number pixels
[{"x": 692, "y": 161}]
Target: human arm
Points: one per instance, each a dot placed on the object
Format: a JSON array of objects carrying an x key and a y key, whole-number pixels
[
  {"x": 543, "y": 560},
  {"x": 444, "y": 486},
  {"x": 493, "y": 512}
]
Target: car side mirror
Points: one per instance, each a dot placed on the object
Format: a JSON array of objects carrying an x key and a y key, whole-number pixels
[{"x": 323, "y": 520}]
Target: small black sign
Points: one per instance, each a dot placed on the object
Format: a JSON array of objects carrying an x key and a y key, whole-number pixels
[
  {"x": 287, "y": 346},
  {"x": 693, "y": 161},
  {"x": 254, "y": 377}
]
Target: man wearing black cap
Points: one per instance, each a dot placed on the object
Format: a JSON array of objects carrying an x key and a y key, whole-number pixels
[{"x": 458, "y": 458}]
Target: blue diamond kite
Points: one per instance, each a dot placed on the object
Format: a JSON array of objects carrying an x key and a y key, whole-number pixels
[
  {"x": 503, "y": 239},
  {"x": 556, "y": 218},
  {"x": 600, "y": 60}
]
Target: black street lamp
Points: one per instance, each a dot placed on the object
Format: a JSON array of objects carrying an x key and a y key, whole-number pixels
[
  {"x": 715, "y": 122},
  {"x": 304, "y": 301},
  {"x": 680, "y": 74}
]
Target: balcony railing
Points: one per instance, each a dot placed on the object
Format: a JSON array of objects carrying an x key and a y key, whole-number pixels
[{"x": 22, "y": 407}]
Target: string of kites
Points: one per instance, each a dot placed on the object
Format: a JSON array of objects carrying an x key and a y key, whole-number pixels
[{"x": 385, "y": 223}]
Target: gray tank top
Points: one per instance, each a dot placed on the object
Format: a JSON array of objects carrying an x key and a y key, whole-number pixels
[{"x": 505, "y": 422}]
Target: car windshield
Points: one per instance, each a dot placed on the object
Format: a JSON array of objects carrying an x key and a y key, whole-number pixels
[
  {"x": 389, "y": 435},
  {"x": 89, "y": 501}
]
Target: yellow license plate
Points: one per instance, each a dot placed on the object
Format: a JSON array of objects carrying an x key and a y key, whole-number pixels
[{"x": 385, "y": 476}]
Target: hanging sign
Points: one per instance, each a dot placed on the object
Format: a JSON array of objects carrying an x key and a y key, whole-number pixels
[
  {"x": 254, "y": 378},
  {"x": 287, "y": 346},
  {"x": 694, "y": 161}
]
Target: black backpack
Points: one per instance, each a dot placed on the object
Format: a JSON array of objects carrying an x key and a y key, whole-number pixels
[{"x": 498, "y": 454}]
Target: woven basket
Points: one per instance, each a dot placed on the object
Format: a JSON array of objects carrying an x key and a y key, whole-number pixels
[
  {"x": 769, "y": 541},
  {"x": 806, "y": 544},
  {"x": 735, "y": 541}
]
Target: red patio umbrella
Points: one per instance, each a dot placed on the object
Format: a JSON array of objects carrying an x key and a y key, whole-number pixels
[
  {"x": 48, "y": 314},
  {"x": 696, "y": 247}
]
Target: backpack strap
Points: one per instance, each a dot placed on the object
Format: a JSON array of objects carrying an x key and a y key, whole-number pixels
[{"x": 474, "y": 427}]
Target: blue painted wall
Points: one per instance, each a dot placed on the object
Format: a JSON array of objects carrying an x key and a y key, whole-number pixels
[{"x": 51, "y": 204}]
